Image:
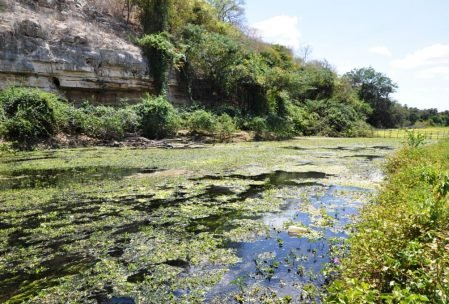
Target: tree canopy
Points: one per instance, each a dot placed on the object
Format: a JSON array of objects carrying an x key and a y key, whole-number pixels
[
  {"x": 222, "y": 65},
  {"x": 375, "y": 88}
]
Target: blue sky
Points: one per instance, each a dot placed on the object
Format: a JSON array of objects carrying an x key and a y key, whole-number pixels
[{"x": 406, "y": 39}]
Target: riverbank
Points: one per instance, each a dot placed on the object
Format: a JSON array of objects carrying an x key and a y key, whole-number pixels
[
  {"x": 183, "y": 140},
  {"x": 400, "y": 251}
]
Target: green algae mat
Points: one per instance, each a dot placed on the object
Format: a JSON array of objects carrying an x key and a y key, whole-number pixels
[{"x": 232, "y": 223}]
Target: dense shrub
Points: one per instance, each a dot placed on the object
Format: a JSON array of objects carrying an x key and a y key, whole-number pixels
[
  {"x": 102, "y": 122},
  {"x": 225, "y": 126},
  {"x": 358, "y": 128},
  {"x": 130, "y": 119},
  {"x": 335, "y": 118},
  {"x": 159, "y": 118},
  {"x": 232, "y": 111},
  {"x": 281, "y": 126},
  {"x": 2, "y": 121},
  {"x": 283, "y": 120},
  {"x": 302, "y": 121},
  {"x": 201, "y": 121},
  {"x": 258, "y": 125},
  {"x": 205, "y": 122},
  {"x": 105, "y": 122},
  {"x": 28, "y": 114}
]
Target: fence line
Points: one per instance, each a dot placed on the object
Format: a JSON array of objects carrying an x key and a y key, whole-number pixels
[{"x": 402, "y": 133}]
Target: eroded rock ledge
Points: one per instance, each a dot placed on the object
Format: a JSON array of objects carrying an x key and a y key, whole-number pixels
[{"x": 69, "y": 47}]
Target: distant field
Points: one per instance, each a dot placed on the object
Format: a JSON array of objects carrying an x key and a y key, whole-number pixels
[{"x": 430, "y": 133}]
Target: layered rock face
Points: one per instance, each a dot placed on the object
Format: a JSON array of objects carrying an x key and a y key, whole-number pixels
[{"x": 69, "y": 47}]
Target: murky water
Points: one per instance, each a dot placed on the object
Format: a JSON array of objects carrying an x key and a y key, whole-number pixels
[
  {"x": 285, "y": 262},
  {"x": 113, "y": 233},
  {"x": 29, "y": 178}
]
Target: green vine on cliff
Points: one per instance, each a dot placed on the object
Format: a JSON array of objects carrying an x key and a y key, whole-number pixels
[
  {"x": 162, "y": 43},
  {"x": 154, "y": 19},
  {"x": 162, "y": 54}
]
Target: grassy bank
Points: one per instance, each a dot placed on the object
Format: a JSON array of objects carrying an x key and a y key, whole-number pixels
[{"x": 400, "y": 250}]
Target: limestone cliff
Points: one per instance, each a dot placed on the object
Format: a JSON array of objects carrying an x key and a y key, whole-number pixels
[{"x": 70, "y": 47}]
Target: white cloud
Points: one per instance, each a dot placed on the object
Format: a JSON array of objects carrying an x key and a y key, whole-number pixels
[
  {"x": 433, "y": 72},
  {"x": 436, "y": 55},
  {"x": 281, "y": 30},
  {"x": 431, "y": 62},
  {"x": 381, "y": 50}
]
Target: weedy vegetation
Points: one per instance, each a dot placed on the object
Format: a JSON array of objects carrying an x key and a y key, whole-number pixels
[{"x": 400, "y": 248}]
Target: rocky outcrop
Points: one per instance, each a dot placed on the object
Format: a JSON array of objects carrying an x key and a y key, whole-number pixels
[{"x": 69, "y": 47}]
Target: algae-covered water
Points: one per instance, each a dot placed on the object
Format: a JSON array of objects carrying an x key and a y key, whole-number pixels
[{"x": 117, "y": 225}]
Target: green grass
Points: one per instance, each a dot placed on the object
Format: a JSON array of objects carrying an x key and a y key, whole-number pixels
[{"x": 400, "y": 251}]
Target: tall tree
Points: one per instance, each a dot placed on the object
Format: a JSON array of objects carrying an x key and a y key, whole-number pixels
[
  {"x": 375, "y": 88},
  {"x": 231, "y": 11}
]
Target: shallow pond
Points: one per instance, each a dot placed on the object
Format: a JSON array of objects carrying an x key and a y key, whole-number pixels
[{"x": 247, "y": 222}]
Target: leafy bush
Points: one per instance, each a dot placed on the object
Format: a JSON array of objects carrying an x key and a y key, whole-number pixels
[
  {"x": 282, "y": 127},
  {"x": 335, "y": 118},
  {"x": 28, "y": 114},
  {"x": 2, "y": 121},
  {"x": 232, "y": 111},
  {"x": 303, "y": 122},
  {"x": 71, "y": 120},
  {"x": 159, "y": 118},
  {"x": 279, "y": 119},
  {"x": 358, "y": 128},
  {"x": 414, "y": 140},
  {"x": 202, "y": 121},
  {"x": 225, "y": 126},
  {"x": 32, "y": 114},
  {"x": 99, "y": 121},
  {"x": 258, "y": 125}
]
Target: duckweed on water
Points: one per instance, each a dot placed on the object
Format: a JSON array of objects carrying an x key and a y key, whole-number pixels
[{"x": 160, "y": 226}]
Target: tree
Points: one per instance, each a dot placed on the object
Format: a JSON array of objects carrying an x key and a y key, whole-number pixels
[
  {"x": 305, "y": 52},
  {"x": 375, "y": 88},
  {"x": 209, "y": 56},
  {"x": 154, "y": 15},
  {"x": 317, "y": 81},
  {"x": 231, "y": 11}
]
